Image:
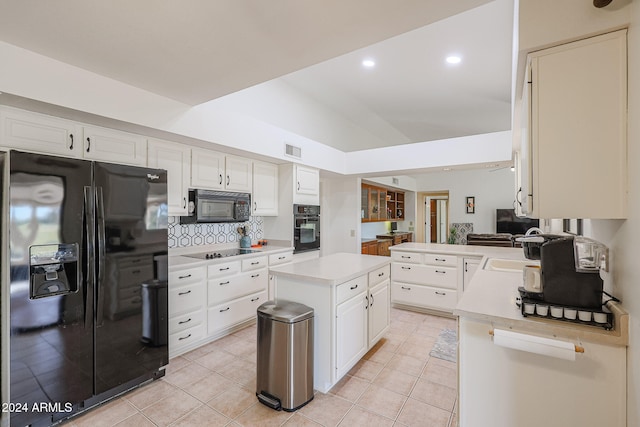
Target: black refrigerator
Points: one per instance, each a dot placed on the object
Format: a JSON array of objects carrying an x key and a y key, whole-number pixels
[{"x": 87, "y": 256}]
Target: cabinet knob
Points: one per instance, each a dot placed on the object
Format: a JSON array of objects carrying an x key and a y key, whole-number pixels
[{"x": 220, "y": 179}]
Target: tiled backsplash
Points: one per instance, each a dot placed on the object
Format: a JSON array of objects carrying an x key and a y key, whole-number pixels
[{"x": 182, "y": 235}]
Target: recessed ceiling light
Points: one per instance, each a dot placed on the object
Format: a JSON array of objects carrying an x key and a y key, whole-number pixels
[
  {"x": 453, "y": 59},
  {"x": 368, "y": 63}
]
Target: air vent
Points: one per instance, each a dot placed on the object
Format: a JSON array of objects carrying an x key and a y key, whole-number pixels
[
  {"x": 395, "y": 181},
  {"x": 293, "y": 151}
]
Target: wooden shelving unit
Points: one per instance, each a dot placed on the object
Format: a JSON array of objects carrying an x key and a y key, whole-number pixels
[{"x": 381, "y": 204}]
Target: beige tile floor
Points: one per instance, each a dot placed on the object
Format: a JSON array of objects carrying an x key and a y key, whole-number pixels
[{"x": 395, "y": 384}]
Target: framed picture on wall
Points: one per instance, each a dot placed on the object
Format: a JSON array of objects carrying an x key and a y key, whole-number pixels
[{"x": 471, "y": 205}]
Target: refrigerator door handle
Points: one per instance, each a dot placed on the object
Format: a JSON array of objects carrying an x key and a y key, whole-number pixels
[
  {"x": 88, "y": 238},
  {"x": 101, "y": 255}
]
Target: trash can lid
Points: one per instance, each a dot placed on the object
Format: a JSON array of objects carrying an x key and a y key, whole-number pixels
[{"x": 285, "y": 311}]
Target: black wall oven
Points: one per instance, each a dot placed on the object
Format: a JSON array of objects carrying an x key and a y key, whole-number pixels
[{"x": 306, "y": 228}]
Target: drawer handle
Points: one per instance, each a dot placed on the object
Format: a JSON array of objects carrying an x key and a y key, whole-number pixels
[
  {"x": 184, "y": 277},
  {"x": 281, "y": 257},
  {"x": 441, "y": 272},
  {"x": 353, "y": 287},
  {"x": 253, "y": 276},
  {"x": 255, "y": 263},
  {"x": 225, "y": 309},
  {"x": 135, "y": 272},
  {"x": 136, "y": 301},
  {"x": 184, "y": 293},
  {"x": 406, "y": 268},
  {"x": 381, "y": 274},
  {"x": 441, "y": 293},
  {"x": 184, "y": 338},
  {"x": 184, "y": 321},
  {"x": 405, "y": 256},
  {"x": 71, "y": 146},
  {"x": 255, "y": 299},
  {"x": 224, "y": 283},
  {"x": 88, "y": 144},
  {"x": 441, "y": 260},
  {"x": 406, "y": 288},
  {"x": 223, "y": 269}
]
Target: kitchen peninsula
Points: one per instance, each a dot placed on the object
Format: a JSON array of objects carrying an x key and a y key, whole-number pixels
[{"x": 350, "y": 297}]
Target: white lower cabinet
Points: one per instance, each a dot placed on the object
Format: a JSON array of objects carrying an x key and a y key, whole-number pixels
[
  {"x": 235, "y": 289},
  {"x": 187, "y": 296},
  {"x": 351, "y": 331},
  {"x": 379, "y": 311},
  {"x": 425, "y": 280},
  {"x": 469, "y": 267}
]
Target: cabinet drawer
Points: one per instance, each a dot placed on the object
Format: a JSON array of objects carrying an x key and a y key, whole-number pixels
[
  {"x": 226, "y": 288},
  {"x": 445, "y": 277},
  {"x": 223, "y": 269},
  {"x": 379, "y": 275},
  {"x": 351, "y": 288},
  {"x": 186, "y": 298},
  {"x": 186, "y": 276},
  {"x": 424, "y": 296},
  {"x": 228, "y": 314},
  {"x": 280, "y": 258},
  {"x": 410, "y": 257},
  {"x": 186, "y": 338},
  {"x": 185, "y": 321},
  {"x": 437, "y": 259},
  {"x": 255, "y": 263},
  {"x": 135, "y": 261},
  {"x": 135, "y": 275}
]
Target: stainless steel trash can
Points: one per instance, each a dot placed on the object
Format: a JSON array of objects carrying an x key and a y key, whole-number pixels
[
  {"x": 155, "y": 313},
  {"x": 284, "y": 355}
]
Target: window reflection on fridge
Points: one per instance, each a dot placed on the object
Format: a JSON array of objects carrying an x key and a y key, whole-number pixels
[{"x": 306, "y": 229}]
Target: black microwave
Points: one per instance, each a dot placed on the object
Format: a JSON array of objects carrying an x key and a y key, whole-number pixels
[{"x": 217, "y": 206}]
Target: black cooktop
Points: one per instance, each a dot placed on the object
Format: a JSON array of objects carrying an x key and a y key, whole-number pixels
[{"x": 222, "y": 253}]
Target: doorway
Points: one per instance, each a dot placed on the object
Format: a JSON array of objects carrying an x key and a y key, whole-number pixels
[{"x": 435, "y": 216}]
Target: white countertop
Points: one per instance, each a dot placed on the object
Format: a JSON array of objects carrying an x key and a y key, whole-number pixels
[
  {"x": 178, "y": 258},
  {"x": 491, "y": 297},
  {"x": 332, "y": 269}
]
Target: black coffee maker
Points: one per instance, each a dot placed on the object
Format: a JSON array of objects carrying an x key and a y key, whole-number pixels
[{"x": 565, "y": 281}]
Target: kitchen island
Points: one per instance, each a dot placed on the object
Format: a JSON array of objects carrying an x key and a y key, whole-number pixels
[{"x": 350, "y": 297}]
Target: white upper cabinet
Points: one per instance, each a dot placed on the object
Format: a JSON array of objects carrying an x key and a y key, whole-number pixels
[
  {"x": 573, "y": 155},
  {"x": 238, "y": 174},
  {"x": 265, "y": 189},
  {"x": 214, "y": 170},
  {"x": 207, "y": 169},
  {"x": 176, "y": 159},
  {"x": 307, "y": 185},
  {"x": 40, "y": 133},
  {"x": 113, "y": 146}
]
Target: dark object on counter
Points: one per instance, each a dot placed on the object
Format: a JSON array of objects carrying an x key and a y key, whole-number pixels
[
  {"x": 532, "y": 244},
  {"x": 561, "y": 282},
  {"x": 499, "y": 239},
  {"x": 284, "y": 372}
]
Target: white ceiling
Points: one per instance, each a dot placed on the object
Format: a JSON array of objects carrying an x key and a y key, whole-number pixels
[{"x": 194, "y": 51}]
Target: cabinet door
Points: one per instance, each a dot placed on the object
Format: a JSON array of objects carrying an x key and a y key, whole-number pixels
[
  {"x": 364, "y": 203},
  {"x": 265, "y": 189},
  {"x": 307, "y": 181},
  {"x": 351, "y": 332},
  {"x": 238, "y": 174},
  {"x": 379, "y": 311},
  {"x": 469, "y": 268},
  {"x": 113, "y": 146},
  {"x": 578, "y": 129},
  {"x": 207, "y": 169},
  {"x": 176, "y": 159},
  {"x": 40, "y": 133}
]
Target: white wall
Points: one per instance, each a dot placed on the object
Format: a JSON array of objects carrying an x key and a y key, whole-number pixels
[
  {"x": 339, "y": 215},
  {"x": 492, "y": 190},
  {"x": 623, "y": 236}
]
